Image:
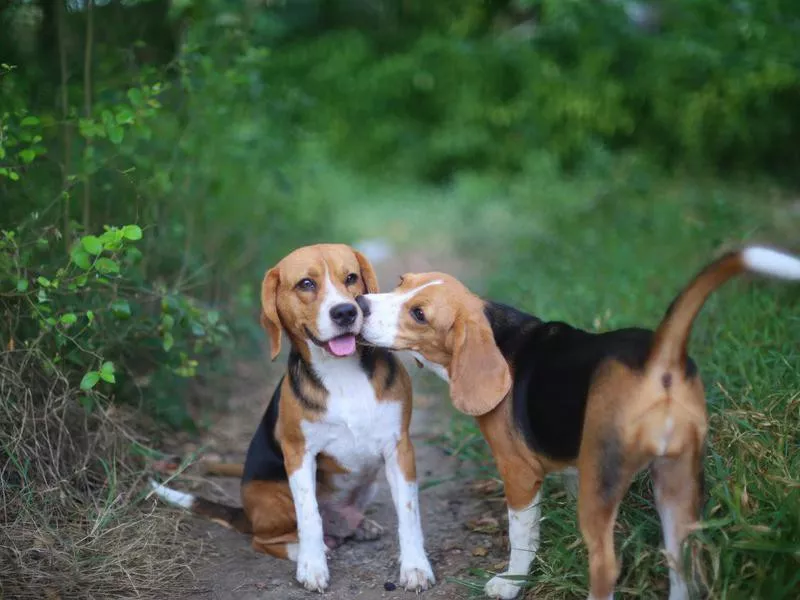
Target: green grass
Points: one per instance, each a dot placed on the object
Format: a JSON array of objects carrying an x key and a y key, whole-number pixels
[{"x": 611, "y": 249}]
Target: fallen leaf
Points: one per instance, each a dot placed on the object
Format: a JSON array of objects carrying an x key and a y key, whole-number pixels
[{"x": 480, "y": 551}]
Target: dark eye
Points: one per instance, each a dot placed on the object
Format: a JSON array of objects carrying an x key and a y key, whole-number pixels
[
  {"x": 351, "y": 279},
  {"x": 418, "y": 315},
  {"x": 306, "y": 285}
]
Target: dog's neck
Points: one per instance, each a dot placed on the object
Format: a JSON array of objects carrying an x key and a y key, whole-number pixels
[{"x": 509, "y": 325}]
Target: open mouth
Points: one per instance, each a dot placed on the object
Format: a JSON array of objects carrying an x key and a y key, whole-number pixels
[{"x": 343, "y": 345}]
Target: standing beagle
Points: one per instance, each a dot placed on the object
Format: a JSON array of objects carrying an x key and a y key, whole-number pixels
[
  {"x": 339, "y": 413},
  {"x": 548, "y": 397}
]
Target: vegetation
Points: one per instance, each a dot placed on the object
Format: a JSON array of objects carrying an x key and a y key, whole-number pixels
[{"x": 156, "y": 156}]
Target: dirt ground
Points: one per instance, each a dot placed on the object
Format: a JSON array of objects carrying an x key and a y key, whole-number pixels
[{"x": 463, "y": 525}]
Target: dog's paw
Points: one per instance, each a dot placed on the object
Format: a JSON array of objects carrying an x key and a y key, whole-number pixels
[
  {"x": 500, "y": 587},
  {"x": 417, "y": 577},
  {"x": 367, "y": 531},
  {"x": 312, "y": 572}
]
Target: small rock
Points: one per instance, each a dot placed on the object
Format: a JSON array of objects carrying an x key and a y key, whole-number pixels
[{"x": 389, "y": 586}]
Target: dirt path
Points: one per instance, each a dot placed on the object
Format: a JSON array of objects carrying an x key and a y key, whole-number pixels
[{"x": 451, "y": 510}]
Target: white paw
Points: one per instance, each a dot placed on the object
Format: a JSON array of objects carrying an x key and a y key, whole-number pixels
[
  {"x": 417, "y": 577},
  {"x": 312, "y": 572},
  {"x": 500, "y": 587}
]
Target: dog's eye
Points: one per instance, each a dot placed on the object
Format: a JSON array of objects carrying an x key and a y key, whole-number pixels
[
  {"x": 418, "y": 315},
  {"x": 306, "y": 285},
  {"x": 351, "y": 279}
]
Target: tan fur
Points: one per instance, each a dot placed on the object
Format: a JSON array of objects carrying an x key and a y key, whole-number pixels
[
  {"x": 287, "y": 308},
  {"x": 456, "y": 335},
  {"x": 269, "y": 506}
]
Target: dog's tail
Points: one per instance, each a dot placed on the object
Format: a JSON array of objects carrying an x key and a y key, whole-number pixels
[
  {"x": 228, "y": 516},
  {"x": 671, "y": 338},
  {"x": 223, "y": 469},
  {"x": 660, "y": 429}
]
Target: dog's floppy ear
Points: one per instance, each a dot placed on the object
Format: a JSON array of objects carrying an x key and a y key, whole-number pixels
[
  {"x": 367, "y": 273},
  {"x": 479, "y": 375},
  {"x": 269, "y": 310}
]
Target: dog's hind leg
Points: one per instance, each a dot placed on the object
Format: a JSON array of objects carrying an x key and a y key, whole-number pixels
[
  {"x": 269, "y": 506},
  {"x": 678, "y": 492},
  {"x": 605, "y": 477}
]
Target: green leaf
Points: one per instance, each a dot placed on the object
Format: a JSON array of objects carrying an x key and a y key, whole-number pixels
[
  {"x": 116, "y": 134},
  {"x": 167, "y": 321},
  {"x": 90, "y": 315},
  {"x": 133, "y": 255},
  {"x": 124, "y": 115},
  {"x": 108, "y": 117},
  {"x": 92, "y": 244},
  {"x": 106, "y": 266},
  {"x": 169, "y": 341},
  {"x": 13, "y": 176},
  {"x": 135, "y": 96},
  {"x": 212, "y": 317},
  {"x": 90, "y": 380},
  {"x": 43, "y": 281},
  {"x": 121, "y": 309},
  {"x": 22, "y": 285},
  {"x": 81, "y": 258},
  {"x": 132, "y": 232},
  {"x": 27, "y": 155},
  {"x": 68, "y": 319},
  {"x": 29, "y": 121},
  {"x": 107, "y": 372}
]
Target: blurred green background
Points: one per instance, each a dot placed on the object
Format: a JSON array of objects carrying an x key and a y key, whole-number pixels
[{"x": 582, "y": 157}]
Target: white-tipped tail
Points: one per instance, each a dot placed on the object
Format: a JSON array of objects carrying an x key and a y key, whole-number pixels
[
  {"x": 771, "y": 262},
  {"x": 171, "y": 496}
]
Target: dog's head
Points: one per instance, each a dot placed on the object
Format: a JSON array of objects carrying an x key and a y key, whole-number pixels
[
  {"x": 311, "y": 294},
  {"x": 435, "y": 316}
]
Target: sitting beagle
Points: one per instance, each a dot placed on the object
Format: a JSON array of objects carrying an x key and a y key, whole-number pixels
[
  {"x": 548, "y": 396},
  {"x": 339, "y": 413}
]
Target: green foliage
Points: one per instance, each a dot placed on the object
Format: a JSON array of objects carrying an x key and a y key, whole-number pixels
[
  {"x": 80, "y": 311},
  {"x": 453, "y": 93}
]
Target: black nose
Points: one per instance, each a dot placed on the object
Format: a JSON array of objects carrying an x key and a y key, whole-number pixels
[
  {"x": 363, "y": 304},
  {"x": 344, "y": 314}
]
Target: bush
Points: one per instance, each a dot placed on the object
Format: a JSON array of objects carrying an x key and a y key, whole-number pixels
[{"x": 432, "y": 100}]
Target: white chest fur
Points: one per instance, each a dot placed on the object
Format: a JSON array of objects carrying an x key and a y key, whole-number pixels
[{"x": 356, "y": 430}]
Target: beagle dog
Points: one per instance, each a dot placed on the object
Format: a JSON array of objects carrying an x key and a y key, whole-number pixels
[
  {"x": 339, "y": 414},
  {"x": 549, "y": 397}
]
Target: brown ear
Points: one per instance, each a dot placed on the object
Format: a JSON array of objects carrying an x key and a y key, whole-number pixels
[
  {"x": 479, "y": 375},
  {"x": 269, "y": 307},
  {"x": 367, "y": 273}
]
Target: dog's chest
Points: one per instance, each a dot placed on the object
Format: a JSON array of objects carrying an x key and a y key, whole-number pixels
[{"x": 356, "y": 429}]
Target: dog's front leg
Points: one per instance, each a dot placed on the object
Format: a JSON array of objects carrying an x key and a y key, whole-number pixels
[
  {"x": 312, "y": 565},
  {"x": 415, "y": 569}
]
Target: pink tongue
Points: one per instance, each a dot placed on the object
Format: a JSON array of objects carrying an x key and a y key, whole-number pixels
[{"x": 344, "y": 345}]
